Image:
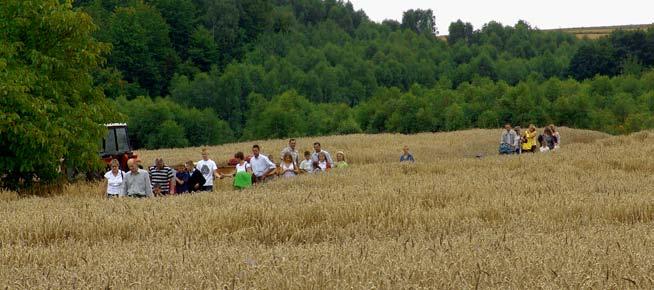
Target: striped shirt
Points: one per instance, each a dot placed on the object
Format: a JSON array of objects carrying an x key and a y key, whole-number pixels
[{"x": 161, "y": 177}]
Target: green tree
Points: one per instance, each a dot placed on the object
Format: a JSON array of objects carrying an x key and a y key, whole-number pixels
[
  {"x": 420, "y": 21},
  {"x": 49, "y": 107}
]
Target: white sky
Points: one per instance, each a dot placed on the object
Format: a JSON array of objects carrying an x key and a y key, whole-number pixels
[{"x": 544, "y": 14}]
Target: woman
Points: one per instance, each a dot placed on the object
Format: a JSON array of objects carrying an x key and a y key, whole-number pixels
[
  {"x": 529, "y": 139},
  {"x": 547, "y": 140},
  {"x": 322, "y": 165},
  {"x": 288, "y": 168},
  {"x": 196, "y": 179},
  {"x": 243, "y": 175},
  {"x": 340, "y": 160},
  {"x": 114, "y": 179}
]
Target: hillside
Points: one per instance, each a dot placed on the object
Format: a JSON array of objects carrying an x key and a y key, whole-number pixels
[{"x": 578, "y": 218}]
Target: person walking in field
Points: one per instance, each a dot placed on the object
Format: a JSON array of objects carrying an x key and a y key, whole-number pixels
[
  {"x": 307, "y": 164},
  {"x": 243, "y": 175},
  {"x": 507, "y": 140},
  {"x": 262, "y": 167},
  {"x": 340, "y": 161},
  {"x": 406, "y": 156},
  {"x": 161, "y": 176},
  {"x": 547, "y": 140},
  {"x": 288, "y": 168},
  {"x": 529, "y": 139},
  {"x": 291, "y": 150},
  {"x": 323, "y": 165},
  {"x": 209, "y": 170},
  {"x": 181, "y": 179},
  {"x": 196, "y": 179},
  {"x": 317, "y": 150},
  {"x": 137, "y": 181},
  {"x": 113, "y": 180}
]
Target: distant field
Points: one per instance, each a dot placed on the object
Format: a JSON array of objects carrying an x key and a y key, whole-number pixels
[
  {"x": 582, "y": 217},
  {"x": 597, "y": 32}
]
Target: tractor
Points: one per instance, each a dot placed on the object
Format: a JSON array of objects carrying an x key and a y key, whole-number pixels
[{"x": 116, "y": 145}]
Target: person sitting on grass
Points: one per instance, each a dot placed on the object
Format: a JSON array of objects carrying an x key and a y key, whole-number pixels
[
  {"x": 517, "y": 143},
  {"x": 307, "y": 164},
  {"x": 406, "y": 155},
  {"x": 556, "y": 135},
  {"x": 323, "y": 164},
  {"x": 340, "y": 160},
  {"x": 243, "y": 175},
  {"x": 288, "y": 168}
]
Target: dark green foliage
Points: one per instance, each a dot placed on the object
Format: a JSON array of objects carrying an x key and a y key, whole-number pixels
[{"x": 276, "y": 68}]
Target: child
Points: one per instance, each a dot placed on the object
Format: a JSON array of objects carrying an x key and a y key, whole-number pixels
[
  {"x": 307, "y": 164},
  {"x": 340, "y": 160},
  {"x": 288, "y": 168},
  {"x": 322, "y": 165}
]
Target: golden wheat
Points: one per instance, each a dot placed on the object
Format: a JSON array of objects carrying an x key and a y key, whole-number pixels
[{"x": 581, "y": 217}]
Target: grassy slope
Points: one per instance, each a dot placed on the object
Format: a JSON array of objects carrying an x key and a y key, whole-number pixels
[{"x": 580, "y": 217}]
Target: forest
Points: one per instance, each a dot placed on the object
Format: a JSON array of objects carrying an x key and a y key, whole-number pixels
[{"x": 204, "y": 72}]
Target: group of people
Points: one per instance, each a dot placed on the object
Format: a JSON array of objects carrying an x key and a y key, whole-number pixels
[
  {"x": 514, "y": 141},
  {"x": 161, "y": 180}
]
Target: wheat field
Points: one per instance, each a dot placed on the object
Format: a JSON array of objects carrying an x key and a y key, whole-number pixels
[{"x": 581, "y": 217}]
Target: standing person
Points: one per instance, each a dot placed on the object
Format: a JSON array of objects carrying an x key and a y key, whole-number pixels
[
  {"x": 137, "y": 181},
  {"x": 307, "y": 164},
  {"x": 113, "y": 184},
  {"x": 529, "y": 139},
  {"x": 243, "y": 174},
  {"x": 262, "y": 167},
  {"x": 547, "y": 140},
  {"x": 507, "y": 140},
  {"x": 340, "y": 160},
  {"x": 323, "y": 165},
  {"x": 557, "y": 136},
  {"x": 161, "y": 175},
  {"x": 317, "y": 150},
  {"x": 291, "y": 149},
  {"x": 517, "y": 143},
  {"x": 209, "y": 170},
  {"x": 196, "y": 180},
  {"x": 181, "y": 180},
  {"x": 288, "y": 168},
  {"x": 406, "y": 155}
]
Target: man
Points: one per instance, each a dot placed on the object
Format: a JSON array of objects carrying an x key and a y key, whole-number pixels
[
  {"x": 161, "y": 176},
  {"x": 291, "y": 150},
  {"x": 507, "y": 141},
  {"x": 137, "y": 181},
  {"x": 209, "y": 170},
  {"x": 317, "y": 149},
  {"x": 261, "y": 165}
]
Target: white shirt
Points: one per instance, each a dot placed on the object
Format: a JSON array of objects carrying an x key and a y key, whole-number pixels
[
  {"x": 208, "y": 168},
  {"x": 322, "y": 166},
  {"x": 307, "y": 165},
  {"x": 315, "y": 156},
  {"x": 114, "y": 183},
  {"x": 261, "y": 164},
  {"x": 242, "y": 168},
  {"x": 294, "y": 153},
  {"x": 288, "y": 170}
]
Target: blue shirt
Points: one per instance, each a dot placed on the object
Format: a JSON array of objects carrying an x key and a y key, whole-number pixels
[
  {"x": 407, "y": 158},
  {"x": 183, "y": 176}
]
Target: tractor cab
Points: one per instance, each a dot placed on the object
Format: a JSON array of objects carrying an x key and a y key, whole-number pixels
[{"x": 115, "y": 145}]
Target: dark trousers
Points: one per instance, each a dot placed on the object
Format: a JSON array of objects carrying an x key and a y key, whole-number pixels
[
  {"x": 112, "y": 195},
  {"x": 138, "y": 196},
  {"x": 207, "y": 188}
]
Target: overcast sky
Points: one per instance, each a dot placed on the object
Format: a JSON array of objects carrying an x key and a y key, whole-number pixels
[{"x": 544, "y": 14}]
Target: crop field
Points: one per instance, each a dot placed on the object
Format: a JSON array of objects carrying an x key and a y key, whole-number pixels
[
  {"x": 598, "y": 32},
  {"x": 581, "y": 217}
]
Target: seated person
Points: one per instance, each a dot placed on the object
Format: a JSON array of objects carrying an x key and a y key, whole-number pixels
[
  {"x": 406, "y": 155},
  {"x": 323, "y": 164},
  {"x": 288, "y": 168}
]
